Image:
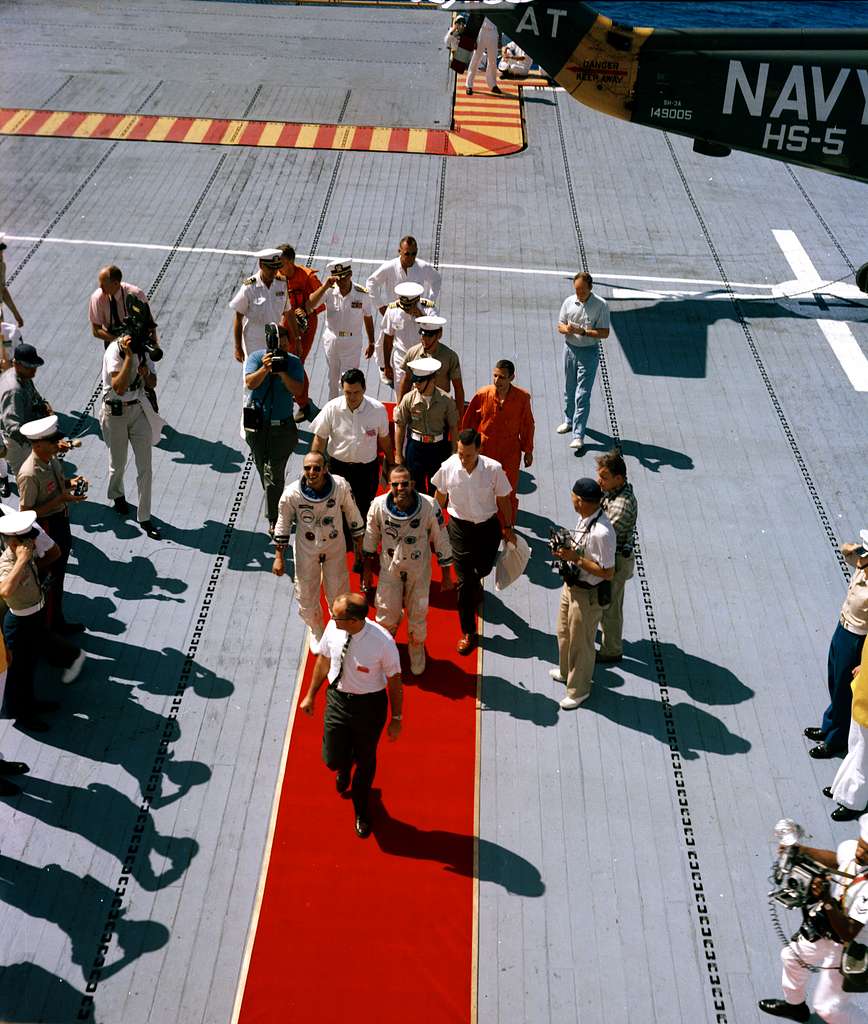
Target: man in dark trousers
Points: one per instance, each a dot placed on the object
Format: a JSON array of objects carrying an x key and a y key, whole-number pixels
[{"x": 360, "y": 661}]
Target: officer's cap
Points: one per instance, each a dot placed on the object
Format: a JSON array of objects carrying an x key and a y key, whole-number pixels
[
  {"x": 409, "y": 290},
  {"x": 430, "y": 324},
  {"x": 340, "y": 268},
  {"x": 863, "y": 536},
  {"x": 587, "y": 489},
  {"x": 16, "y": 524},
  {"x": 27, "y": 355},
  {"x": 44, "y": 429},
  {"x": 863, "y": 821},
  {"x": 271, "y": 258},
  {"x": 424, "y": 367}
]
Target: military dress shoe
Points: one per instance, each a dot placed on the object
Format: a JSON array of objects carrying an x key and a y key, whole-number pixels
[
  {"x": 781, "y": 1008},
  {"x": 342, "y": 782},
  {"x": 469, "y": 90},
  {"x": 842, "y": 813},
  {"x": 822, "y": 752},
  {"x": 570, "y": 703},
  {"x": 74, "y": 671},
  {"x": 13, "y": 768},
  {"x": 363, "y": 826},
  {"x": 827, "y": 792},
  {"x": 467, "y": 643},
  {"x": 814, "y": 733},
  {"x": 497, "y": 90},
  {"x": 121, "y": 506},
  {"x": 150, "y": 529}
]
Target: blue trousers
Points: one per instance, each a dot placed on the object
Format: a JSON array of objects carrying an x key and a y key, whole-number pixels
[
  {"x": 845, "y": 650},
  {"x": 580, "y": 370}
]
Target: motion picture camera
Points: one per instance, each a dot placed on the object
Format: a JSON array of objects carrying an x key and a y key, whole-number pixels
[
  {"x": 279, "y": 361},
  {"x": 138, "y": 324},
  {"x": 792, "y": 872},
  {"x": 568, "y": 571}
]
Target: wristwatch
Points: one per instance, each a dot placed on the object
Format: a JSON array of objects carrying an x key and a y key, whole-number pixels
[{"x": 397, "y": 718}]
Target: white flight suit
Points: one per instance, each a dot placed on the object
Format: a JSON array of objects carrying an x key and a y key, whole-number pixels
[
  {"x": 405, "y": 540},
  {"x": 381, "y": 285},
  {"x": 404, "y": 331},
  {"x": 514, "y": 61},
  {"x": 320, "y": 549},
  {"x": 485, "y": 41},
  {"x": 344, "y": 336}
]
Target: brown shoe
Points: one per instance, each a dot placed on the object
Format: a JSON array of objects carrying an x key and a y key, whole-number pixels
[{"x": 467, "y": 643}]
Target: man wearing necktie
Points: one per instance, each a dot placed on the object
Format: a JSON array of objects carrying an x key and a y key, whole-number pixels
[{"x": 108, "y": 305}]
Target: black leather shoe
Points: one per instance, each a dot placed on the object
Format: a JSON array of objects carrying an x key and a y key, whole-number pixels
[
  {"x": 342, "y": 782},
  {"x": 827, "y": 792},
  {"x": 814, "y": 733},
  {"x": 151, "y": 530},
  {"x": 121, "y": 506},
  {"x": 13, "y": 768},
  {"x": 822, "y": 752},
  {"x": 66, "y": 628},
  {"x": 8, "y": 788},
  {"x": 781, "y": 1008},
  {"x": 363, "y": 827},
  {"x": 842, "y": 813}
]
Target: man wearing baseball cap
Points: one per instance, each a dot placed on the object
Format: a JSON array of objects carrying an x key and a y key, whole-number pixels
[
  {"x": 20, "y": 402},
  {"x": 592, "y": 553}
]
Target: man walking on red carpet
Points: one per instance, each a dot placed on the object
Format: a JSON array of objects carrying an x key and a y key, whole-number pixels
[{"x": 360, "y": 661}]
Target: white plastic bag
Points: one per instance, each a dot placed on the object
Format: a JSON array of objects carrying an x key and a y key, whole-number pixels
[{"x": 512, "y": 560}]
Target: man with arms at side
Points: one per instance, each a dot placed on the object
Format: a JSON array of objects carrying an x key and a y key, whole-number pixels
[
  {"x": 400, "y": 329},
  {"x": 430, "y": 346},
  {"x": 622, "y": 509},
  {"x": 427, "y": 420},
  {"x": 473, "y": 489},
  {"x": 359, "y": 660}
]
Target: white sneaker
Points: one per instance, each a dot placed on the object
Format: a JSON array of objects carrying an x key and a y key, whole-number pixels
[
  {"x": 568, "y": 704},
  {"x": 313, "y": 643},
  {"x": 577, "y": 443},
  {"x": 417, "y": 659},
  {"x": 74, "y": 671},
  {"x": 555, "y": 673},
  {"x": 564, "y": 428}
]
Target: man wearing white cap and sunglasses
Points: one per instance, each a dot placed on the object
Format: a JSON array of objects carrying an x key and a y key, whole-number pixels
[
  {"x": 426, "y": 425},
  {"x": 448, "y": 377},
  {"x": 349, "y": 317},
  {"x": 400, "y": 330}
]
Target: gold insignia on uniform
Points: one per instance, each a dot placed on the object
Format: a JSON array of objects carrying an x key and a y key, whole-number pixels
[
  {"x": 360, "y": 288},
  {"x": 250, "y": 280}
]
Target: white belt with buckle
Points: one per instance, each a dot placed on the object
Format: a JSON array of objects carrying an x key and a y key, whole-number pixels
[
  {"x": 32, "y": 610},
  {"x": 346, "y": 334},
  {"x": 425, "y": 438},
  {"x": 849, "y": 628}
]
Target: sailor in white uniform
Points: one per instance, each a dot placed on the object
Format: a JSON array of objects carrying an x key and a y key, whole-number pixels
[
  {"x": 401, "y": 330},
  {"x": 259, "y": 301},
  {"x": 349, "y": 316}
]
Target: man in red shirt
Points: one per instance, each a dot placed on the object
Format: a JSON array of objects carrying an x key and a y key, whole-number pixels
[
  {"x": 301, "y": 283},
  {"x": 500, "y": 412}
]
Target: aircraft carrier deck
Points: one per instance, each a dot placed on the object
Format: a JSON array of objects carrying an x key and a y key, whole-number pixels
[{"x": 623, "y": 850}]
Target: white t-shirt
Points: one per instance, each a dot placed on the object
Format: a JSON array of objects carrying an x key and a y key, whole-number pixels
[
  {"x": 472, "y": 496},
  {"x": 370, "y": 659},
  {"x": 352, "y": 433},
  {"x": 596, "y": 539},
  {"x": 112, "y": 361}
]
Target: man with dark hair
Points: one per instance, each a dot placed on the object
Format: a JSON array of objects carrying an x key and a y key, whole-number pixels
[
  {"x": 621, "y": 508},
  {"x": 502, "y": 415},
  {"x": 260, "y": 300},
  {"x": 360, "y": 661},
  {"x": 349, "y": 316},
  {"x": 474, "y": 489},
  {"x": 584, "y": 322},
  {"x": 301, "y": 283}
]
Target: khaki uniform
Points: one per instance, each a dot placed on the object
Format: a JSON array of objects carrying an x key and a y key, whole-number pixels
[
  {"x": 450, "y": 364},
  {"x": 428, "y": 425}
]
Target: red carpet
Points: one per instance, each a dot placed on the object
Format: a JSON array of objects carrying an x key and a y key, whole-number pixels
[{"x": 378, "y": 929}]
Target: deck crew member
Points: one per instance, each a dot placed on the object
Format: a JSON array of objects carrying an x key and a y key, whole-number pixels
[
  {"x": 349, "y": 316},
  {"x": 400, "y": 330},
  {"x": 271, "y": 381},
  {"x": 360, "y": 661},
  {"x": 43, "y": 488},
  {"x": 473, "y": 488},
  {"x": 448, "y": 377},
  {"x": 501, "y": 414},
  {"x": 486, "y": 42},
  {"x": 351, "y": 429},
  {"x": 10, "y": 333},
  {"x": 405, "y": 267},
  {"x": 125, "y": 421},
  {"x": 20, "y": 402},
  {"x": 404, "y": 526},
  {"x": 301, "y": 283},
  {"x": 593, "y": 553},
  {"x": 622, "y": 509},
  {"x": 317, "y": 506},
  {"x": 260, "y": 300},
  {"x": 845, "y": 650},
  {"x": 426, "y": 425},
  {"x": 584, "y": 322}
]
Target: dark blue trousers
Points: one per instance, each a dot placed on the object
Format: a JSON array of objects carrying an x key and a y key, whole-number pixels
[{"x": 845, "y": 651}]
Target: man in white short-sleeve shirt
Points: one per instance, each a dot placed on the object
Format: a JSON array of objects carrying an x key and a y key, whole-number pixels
[
  {"x": 359, "y": 660},
  {"x": 472, "y": 488},
  {"x": 259, "y": 301}
]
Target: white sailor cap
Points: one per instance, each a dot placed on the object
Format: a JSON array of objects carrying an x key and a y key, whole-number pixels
[
  {"x": 409, "y": 290},
  {"x": 270, "y": 257},
  {"x": 424, "y": 367},
  {"x": 431, "y": 323},
  {"x": 15, "y": 524},
  {"x": 3, "y": 238},
  {"x": 340, "y": 268},
  {"x": 863, "y": 536},
  {"x": 44, "y": 429},
  {"x": 863, "y": 821}
]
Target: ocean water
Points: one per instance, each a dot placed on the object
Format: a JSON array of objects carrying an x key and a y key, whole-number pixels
[{"x": 783, "y": 14}]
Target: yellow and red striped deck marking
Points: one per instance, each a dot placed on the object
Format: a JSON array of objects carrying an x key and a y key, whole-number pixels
[{"x": 482, "y": 125}]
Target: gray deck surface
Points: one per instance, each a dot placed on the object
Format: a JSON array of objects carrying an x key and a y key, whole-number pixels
[{"x": 647, "y": 814}]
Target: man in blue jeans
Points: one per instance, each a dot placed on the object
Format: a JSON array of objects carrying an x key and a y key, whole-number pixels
[{"x": 583, "y": 321}]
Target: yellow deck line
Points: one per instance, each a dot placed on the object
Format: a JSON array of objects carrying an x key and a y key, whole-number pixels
[
  {"x": 270, "y": 133},
  {"x": 196, "y": 131},
  {"x": 53, "y": 123},
  {"x": 123, "y": 128},
  {"x": 16, "y": 120},
  {"x": 161, "y": 129},
  {"x": 232, "y": 133},
  {"x": 307, "y": 136},
  {"x": 87, "y": 126}
]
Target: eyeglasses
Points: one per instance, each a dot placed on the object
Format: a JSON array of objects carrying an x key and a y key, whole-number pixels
[
  {"x": 400, "y": 483},
  {"x": 312, "y": 469},
  {"x": 428, "y": 334}
]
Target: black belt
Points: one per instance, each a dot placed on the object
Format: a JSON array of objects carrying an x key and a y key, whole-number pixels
[{"x": 355, "y": 696}]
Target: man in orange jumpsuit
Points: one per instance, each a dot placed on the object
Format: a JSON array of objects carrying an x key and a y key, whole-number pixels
[
  {"x": 301, "y": 283},
  {"x": 501, "y": 413}
]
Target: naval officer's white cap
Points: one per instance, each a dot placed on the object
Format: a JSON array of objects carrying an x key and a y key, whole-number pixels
[
  {"x": 340, "y": 268},
  {"x": 44, "y": 429},
  {"x": 409, "y": 290},
  {"x": 424, "y": 367},
  {"x": 15, "y": 524},
  {"x": 431, "y": 323},
  {"x": 270, "y": 257},
  {"x": 863, "y": 536}
]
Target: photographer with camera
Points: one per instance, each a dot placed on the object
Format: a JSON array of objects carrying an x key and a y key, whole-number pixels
[
  {"x": 273, "y": 378},
  {"x": 585, "y": 558},
  {"x": 831, "y": 889},
  {"x": 622, "y": 510},
  {"x": 127, "y": 370}
]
